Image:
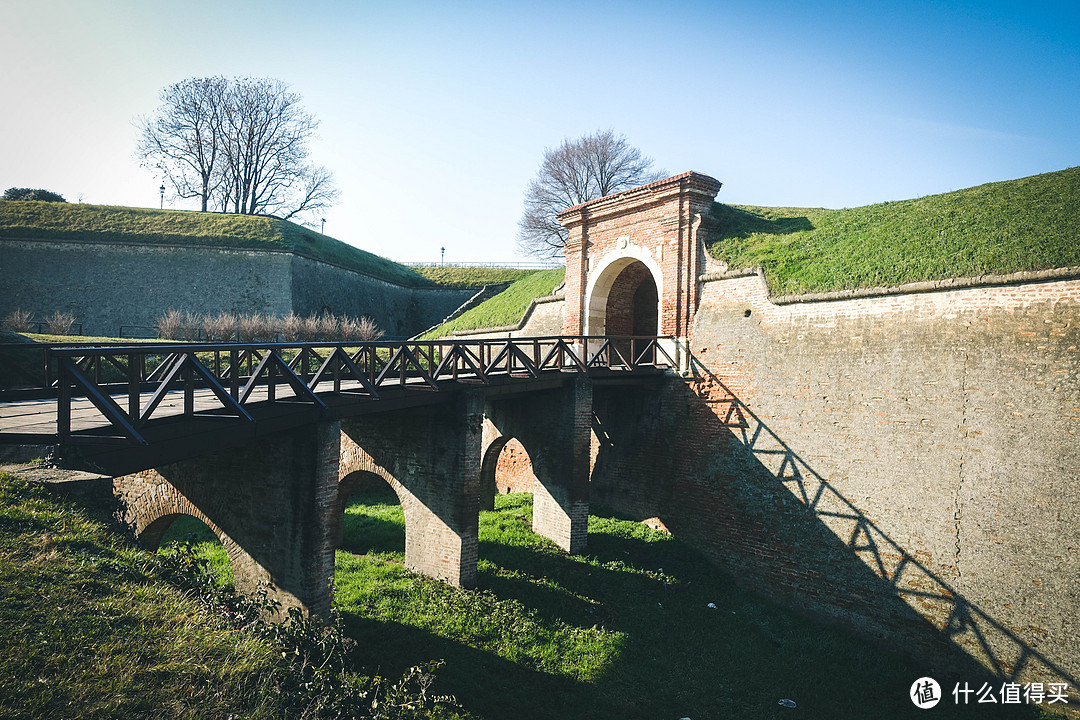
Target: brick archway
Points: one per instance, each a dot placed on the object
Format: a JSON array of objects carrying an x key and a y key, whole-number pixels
[
  {"x": 656, "y": 225},
  {"x": 623, "y": 296},
  {"x": 152, "y": 511},
  {"x": 359, "y": 478}
]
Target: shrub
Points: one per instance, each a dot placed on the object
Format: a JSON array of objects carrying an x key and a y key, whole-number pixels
[
  {"x": 59, "y": 323},
  {"x": 255, "y": 327},
  {"x": 219, "y": 327},
  {"x": 19, "y": 321},
  {"x": 309, "y": 328},
  {"x": 362, "y": 330},
  {"x": 169, "y": 324},
  {"x": 191, "y": 327},
  {"x": 328, "y": 328},
  {"x": 32, "y": 194},
  {"x": 292, "y": 327}
]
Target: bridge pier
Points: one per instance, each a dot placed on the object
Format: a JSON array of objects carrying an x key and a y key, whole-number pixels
[
  {"x": 554, "y": 426},
  {"x": 270, "y": 503},
  {"x": 430, "y": 456}
]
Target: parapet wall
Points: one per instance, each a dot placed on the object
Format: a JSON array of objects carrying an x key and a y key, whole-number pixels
[
  {"x": 110, "y": 285},
  {"x": 904, "y": 462}
]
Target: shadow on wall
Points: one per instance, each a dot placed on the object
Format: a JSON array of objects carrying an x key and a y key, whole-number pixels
[{"x": 695, "y": 457}]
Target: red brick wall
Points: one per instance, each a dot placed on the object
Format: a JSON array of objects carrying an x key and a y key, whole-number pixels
[{"x": 655, "y": 224}]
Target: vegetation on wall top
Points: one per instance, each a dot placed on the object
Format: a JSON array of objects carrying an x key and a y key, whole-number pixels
[
  {"x": 104, "y": 223},
  {"x": 1003, "y": 227},
  {"x": 471, "y": 277},
  {"x": 507, "y": 307}
]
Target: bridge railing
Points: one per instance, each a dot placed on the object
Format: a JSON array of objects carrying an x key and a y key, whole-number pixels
[{"x": 129, "y": 384}]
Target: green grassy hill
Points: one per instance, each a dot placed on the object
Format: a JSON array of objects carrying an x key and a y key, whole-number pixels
[
  {"x": 472, "y": 277},
  {"x": 104, "y": 223},
  {"x": 1028, "y": 224},
  {"x": 507, "y": 307}
]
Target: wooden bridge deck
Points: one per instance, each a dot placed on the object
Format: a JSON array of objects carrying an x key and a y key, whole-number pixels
[{"x": 120, "y": 407}]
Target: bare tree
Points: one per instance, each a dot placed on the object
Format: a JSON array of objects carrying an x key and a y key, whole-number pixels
[
  {"x": 183, "y": 139},
  {"x": 577, "y": 171},
  {"x": 239, "y": 145}
]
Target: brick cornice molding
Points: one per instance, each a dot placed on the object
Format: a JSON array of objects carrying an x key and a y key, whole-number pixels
[{"x": 690, "y": 183}]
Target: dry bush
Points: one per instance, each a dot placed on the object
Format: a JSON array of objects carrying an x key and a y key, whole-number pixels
[
  {"x": 329, "y": 327},
  {"x": 59, "y": 323},
  {"x": 19, "y": 321},
  {"x": 309, "y": 328},
  {"x": 169, "y": 324},
  {"x": 363, "y": 329},
  {"x": 219, "y": 327},
  {"x": 191, "y": 327},
  {"x": 255, "y": 327},
  {"x": 369, "y": 330},
  {"x": 292, "y": 327}
]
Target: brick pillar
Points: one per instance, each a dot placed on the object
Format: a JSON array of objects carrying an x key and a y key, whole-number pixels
[
  {"x": 431, "y": 457},
  {"x": 270, "y": 503},
  {"x": 555, "y": 428}
]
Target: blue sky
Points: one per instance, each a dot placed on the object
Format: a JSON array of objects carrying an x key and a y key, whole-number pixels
[{"x": 434, "y": 116}]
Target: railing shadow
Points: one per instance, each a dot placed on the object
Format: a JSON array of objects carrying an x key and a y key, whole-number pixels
[{"x": 997, "y": 647}]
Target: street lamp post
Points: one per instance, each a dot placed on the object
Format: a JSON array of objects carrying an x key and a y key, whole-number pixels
[
  {"x": 323, "y": 230},
  {"x": 442, "y": 261},
  {"x": 162, "y": 191}
]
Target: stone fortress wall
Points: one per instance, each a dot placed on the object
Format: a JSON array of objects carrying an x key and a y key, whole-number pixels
[{"x": 107, "y": 286}]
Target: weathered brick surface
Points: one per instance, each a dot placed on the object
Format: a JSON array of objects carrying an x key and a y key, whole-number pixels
[
  {"x": 431, "y": 458},
  {"x": 269, "y": 503},
  {"x": 554, "y": 429},
  {"x": 934, "y": 431},
  {"x": 903, "y": 461}
]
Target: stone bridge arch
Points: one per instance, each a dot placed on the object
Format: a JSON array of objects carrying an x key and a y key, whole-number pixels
[
  {"x": 268, "y": 503},
  {"x": 151, "y": 513}
]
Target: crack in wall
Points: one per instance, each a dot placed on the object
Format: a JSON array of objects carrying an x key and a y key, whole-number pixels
[{"x": 958, "y": 507}]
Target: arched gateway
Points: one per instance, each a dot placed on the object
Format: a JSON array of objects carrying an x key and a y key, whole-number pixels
[{"x": 633, "y": 259}]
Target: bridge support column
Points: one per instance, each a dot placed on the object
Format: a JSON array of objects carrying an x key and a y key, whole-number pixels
[
  {"x": 431, "y": 457},
  {"x": 555, "y": 428},
  {"x": 269, "y": 503}
]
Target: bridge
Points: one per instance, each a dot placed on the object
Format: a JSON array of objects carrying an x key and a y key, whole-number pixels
[{"x": 263, "y": 441}]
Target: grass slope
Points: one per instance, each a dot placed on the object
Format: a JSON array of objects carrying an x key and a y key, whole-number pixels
[
  {"x": 86, "y": 630},
  {"x": 507, "y": 307},
  {"x": 471, "y": 277},
  {"x": 104, "y": 223},
  {"x": 1026, "y": 224}
]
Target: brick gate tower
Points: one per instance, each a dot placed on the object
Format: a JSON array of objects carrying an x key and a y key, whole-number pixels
[{"x": 633, "y": 259}]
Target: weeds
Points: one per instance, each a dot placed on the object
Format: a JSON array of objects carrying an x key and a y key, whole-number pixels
[
  {"x": 59, "y": 322},
  {"x": 19, "y": 321}
]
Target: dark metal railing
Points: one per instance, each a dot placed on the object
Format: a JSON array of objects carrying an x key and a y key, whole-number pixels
[{"x": 128, "y": 383}]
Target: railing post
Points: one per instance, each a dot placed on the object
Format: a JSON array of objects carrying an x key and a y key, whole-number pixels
[
  {"x": 63, "y": 401},
  {"x": 133, "y": 382},
  {"x": 234, "y": 373},
  {"x": 189, "y": 388}
]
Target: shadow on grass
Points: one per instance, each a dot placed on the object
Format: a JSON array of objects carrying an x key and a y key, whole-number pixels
[{"x": 728, "y": 222}]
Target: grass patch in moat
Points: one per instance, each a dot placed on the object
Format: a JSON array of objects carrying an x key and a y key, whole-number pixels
[{"x": 622, "y": 631}]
